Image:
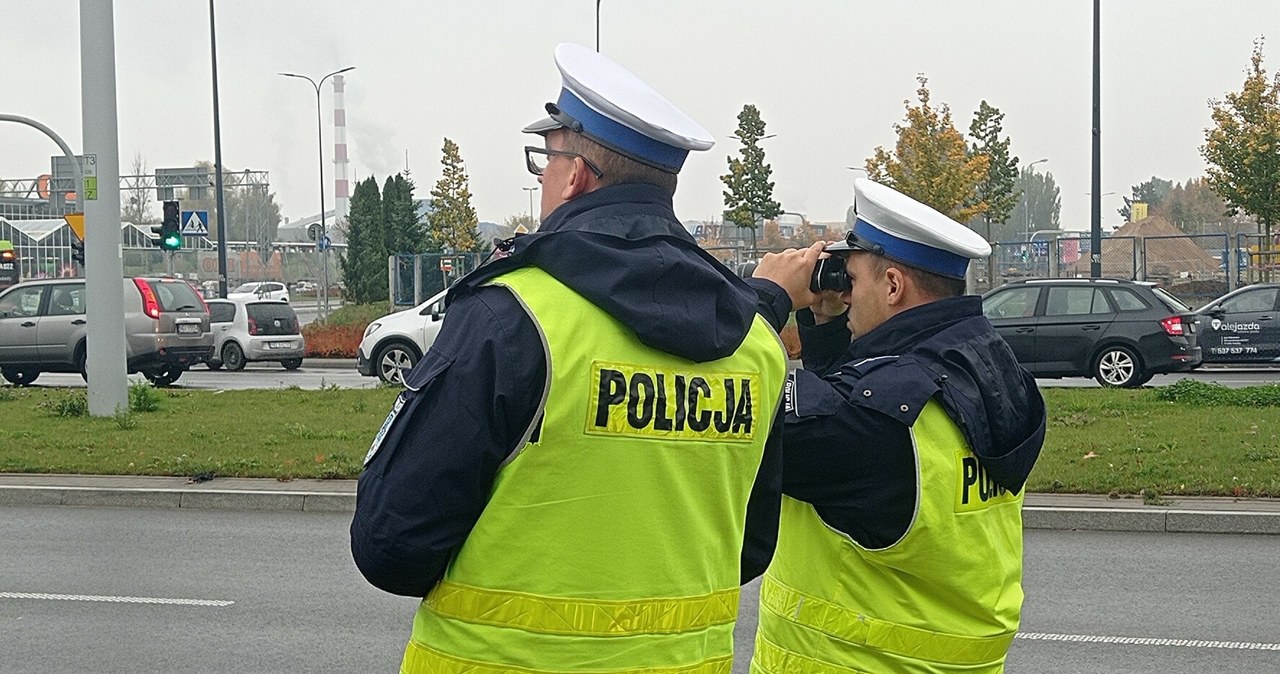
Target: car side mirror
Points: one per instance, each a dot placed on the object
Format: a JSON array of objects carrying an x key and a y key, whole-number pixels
[
  {"x": 436, "y": 313},
  {"x": 1215, "y": 311}
]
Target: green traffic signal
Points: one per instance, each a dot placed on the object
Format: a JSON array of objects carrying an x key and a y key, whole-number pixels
[{"x": 171, "y": 241}]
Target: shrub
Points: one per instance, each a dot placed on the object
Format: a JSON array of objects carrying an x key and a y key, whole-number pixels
[
  {"x": 143, "y": 397},
  {"x": 332, "y": 341}
]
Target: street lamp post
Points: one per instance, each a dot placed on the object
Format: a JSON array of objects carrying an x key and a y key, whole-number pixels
[
  {"x": 530, "y": 190},
  {"x": 324, "y": 254},
  {"x": 1026, "y": 199},
  {"x": 597, "y": 26}
]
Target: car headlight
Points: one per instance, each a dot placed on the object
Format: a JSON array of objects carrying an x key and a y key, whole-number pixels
[{"x": 373, "y": 327}]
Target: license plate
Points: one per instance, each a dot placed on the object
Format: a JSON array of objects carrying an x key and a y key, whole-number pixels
[
  {"x": 278, "y": 345},
  {"x": 188, "y": 329}
]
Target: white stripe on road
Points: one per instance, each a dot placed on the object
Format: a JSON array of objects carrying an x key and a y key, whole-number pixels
[
  {"x": 114, "y": 600},
  {"x": 1149, "y": 641}
]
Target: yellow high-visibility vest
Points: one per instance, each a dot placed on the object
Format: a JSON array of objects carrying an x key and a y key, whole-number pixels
[
  {"x": 946, "y": 598},
  {"x": 612, "y": 538}
]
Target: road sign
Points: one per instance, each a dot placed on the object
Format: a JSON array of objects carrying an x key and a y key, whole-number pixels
[
  {"x": 195, "y": 223},
  {"x": 1040, "y": 248},
  {"x": 91, "y": 188},
  {"x": 324, "y": 243},
  {"x": 76, "y": 222}
]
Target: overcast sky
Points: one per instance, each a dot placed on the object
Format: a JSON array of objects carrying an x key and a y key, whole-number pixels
[{"x": 829, "y": 76}]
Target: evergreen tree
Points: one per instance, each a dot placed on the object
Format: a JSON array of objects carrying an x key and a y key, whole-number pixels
[
  {"x": 931, "y": 161},
  {"x": 996, "y": 188},
  {"x": 364, "y": 268},
  {"x": 404, "y": 231},
  {"x": 1151, "y": 192},
  {"x": 749, "y": 199},
  {"x": 452, "y": 223},
  {"x": 1243, "y": 146}
]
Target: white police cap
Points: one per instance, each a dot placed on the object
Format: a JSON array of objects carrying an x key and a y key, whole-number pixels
[
  {"x": 889, "y": 223},
  {"x": 610, "y": 105}
]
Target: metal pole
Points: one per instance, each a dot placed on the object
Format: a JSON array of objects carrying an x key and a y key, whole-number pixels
[
  {"x": 324, "y": 252},
  {"x": 104, "y": 288},
  {"x": 1095, "y": 231},
  {"x": 217, "y": 161},
  {"x": 597, "y": 26}
]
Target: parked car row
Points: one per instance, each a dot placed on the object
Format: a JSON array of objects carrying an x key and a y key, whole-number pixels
[{"x": 168, "y": 326}]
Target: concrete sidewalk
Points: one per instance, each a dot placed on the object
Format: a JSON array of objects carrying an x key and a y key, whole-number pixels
[{"x": 1042, "y": 511}]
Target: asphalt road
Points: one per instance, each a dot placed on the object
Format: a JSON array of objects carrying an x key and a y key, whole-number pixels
[{"x": 229, "y": 592}]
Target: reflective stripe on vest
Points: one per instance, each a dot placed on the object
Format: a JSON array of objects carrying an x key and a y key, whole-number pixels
[
  {"x": 855, "y": 627},
  {"x": 554, "y": 615},
  {"x": 771, "y": 659},
  {"x": 420, "y": 658}
]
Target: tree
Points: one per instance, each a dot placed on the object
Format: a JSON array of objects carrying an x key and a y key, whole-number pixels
[
  {"x": 452, "y": 223},
  {"x": 1039, "y": 207},
  {"x": 748, "y": 201},
  {"x": 996, "y": 188},
  {"x": 931, "y": 161},
  {"x": 1151, "y": 192},
  {"x": 403, "y": 230},
  {"x": 135, "y": 203},
  {"x": 1243, "y": 146},
  {"x": 1195, "y": 208},
  {"x": 364, "y": 267}
]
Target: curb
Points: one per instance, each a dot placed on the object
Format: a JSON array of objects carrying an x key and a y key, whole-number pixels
[{"x": 1041, "y": 511}]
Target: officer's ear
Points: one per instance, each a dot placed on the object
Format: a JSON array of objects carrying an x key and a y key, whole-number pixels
[
  {"x": 896, "y": 284},
  {"x": 581, "y": 180}
]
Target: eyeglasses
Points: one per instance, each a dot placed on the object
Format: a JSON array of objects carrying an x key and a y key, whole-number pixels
[{"x": 537, "y": 158}]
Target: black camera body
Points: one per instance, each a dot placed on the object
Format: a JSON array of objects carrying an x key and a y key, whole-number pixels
[{"x": 830, "y": 274}]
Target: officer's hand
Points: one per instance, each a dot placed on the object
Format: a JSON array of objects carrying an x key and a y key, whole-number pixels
[
  {"x": 792, "y": 270},
  {"x": 827, "y": 306}
]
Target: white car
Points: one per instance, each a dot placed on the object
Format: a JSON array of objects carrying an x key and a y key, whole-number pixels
[
  {"x": 259, "y": 290},
  {"x": 393, "y": 344},
  {"x": 254, "y": 330}
]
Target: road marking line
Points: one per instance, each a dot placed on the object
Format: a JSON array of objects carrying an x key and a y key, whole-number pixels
[
  {"x": 114, "y": 600},
  {"x": 1150, "y": 641}
]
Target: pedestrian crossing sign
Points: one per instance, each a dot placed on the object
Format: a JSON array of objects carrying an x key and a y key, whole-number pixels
[{"x": 195, "y": 223}]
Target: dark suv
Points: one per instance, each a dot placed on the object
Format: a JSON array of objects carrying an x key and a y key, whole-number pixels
[{"x": 1118, "y": 332}]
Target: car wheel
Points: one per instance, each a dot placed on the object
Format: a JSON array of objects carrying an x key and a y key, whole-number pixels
[
  {"x": 19, "y": 377},
  {"x": 292, "y": 363},
  {"x": 82, "y": 364},
  {"x": 164, "y": 375},
  {"x": 233, "y": 357},
  {"x": 394, "y": 361},
  {"x": 1118, "y": 366}
]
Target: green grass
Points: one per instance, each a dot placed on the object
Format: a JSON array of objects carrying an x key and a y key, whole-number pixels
[
  {"x": 284, "y": 433},
  {"x": 1187, "y": 439},
  {"x": 1191, "y": 438},
  {"x": 360, "y": 314}
]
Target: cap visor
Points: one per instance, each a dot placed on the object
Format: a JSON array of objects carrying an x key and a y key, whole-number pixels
[{"x": 543, "y": 126}]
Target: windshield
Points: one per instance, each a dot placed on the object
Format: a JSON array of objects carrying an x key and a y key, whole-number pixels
[
  {"x": 176, "y": 296},
  {"x": 245, "y": 288}
]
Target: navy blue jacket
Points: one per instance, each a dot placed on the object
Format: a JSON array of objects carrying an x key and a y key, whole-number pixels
[
  {"x": 475, "y": 392},
  {"x": 847, "y": 443}
]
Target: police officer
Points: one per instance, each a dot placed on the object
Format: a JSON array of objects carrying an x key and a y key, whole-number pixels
[
  {"x": 569, "y": 477},
  {"x": 905, "y": 453}
]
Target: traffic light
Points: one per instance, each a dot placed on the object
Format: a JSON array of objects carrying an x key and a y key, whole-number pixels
[
  {"x": 170, "y": 229},
  {"x": 77, "y": 252}
]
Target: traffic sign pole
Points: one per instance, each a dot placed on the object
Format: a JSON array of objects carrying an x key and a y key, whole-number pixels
[{"x": 104, "y": 287}]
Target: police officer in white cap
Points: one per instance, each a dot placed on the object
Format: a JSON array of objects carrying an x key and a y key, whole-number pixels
[
  {"x": 570, "y": 476},
  {"x": 905, "y": 453}
]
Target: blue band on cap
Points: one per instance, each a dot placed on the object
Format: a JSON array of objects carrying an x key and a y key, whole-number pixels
[
  {"x": 925, "y": 257},
  {"x": 620, "y": 137}
]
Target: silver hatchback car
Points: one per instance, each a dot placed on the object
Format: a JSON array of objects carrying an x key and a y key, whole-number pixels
[
  {"x": 255, "y": 330},
  {"x": 43, "y": 328}
]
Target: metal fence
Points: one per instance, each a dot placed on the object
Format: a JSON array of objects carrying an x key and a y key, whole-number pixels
[{"x": 415, "y": 278}]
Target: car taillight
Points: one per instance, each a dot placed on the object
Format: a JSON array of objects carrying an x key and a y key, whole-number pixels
[
  {"x": 150, "y": 306},
  {"x": 253, "y": 326},
  {"x": 1173, "y": 326}
]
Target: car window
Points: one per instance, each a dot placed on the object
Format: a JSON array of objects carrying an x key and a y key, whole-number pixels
[
  {"x": 222, "y": 312},
  {"x": 1262, "y": 299},
  {"x": 1012, "y": 303},
  {"x": 1128, "y": 300},
  {"x": 22, "y": 302},
  {"x": 176, "y": 296},
  {"x": 66, "y": 300},
  {"x": 1170, "y": 302},
  {"x": 1075, "y": 302},
  {"x": 245, "y": 288}
]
